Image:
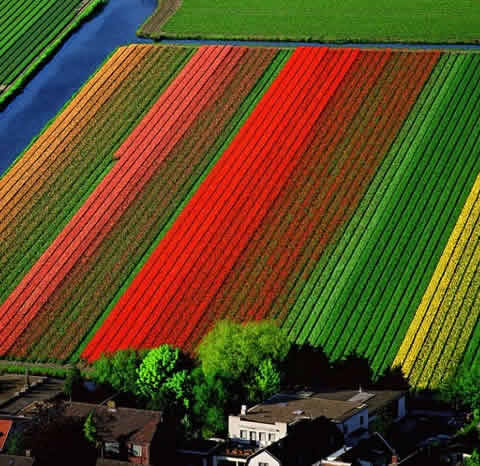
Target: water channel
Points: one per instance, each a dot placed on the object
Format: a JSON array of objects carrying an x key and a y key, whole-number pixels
[{"x": 66, "y": 71}]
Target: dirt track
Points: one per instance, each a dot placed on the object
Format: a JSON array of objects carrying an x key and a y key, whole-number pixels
[{"x": 165, "y": 9}]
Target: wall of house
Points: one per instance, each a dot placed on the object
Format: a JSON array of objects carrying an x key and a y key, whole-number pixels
[
  {"x": 236, "y": 424},
  {"x": 144, "y": 459},
  {"x": 265, "y": 458},
  {"x": 354, "y": 423},
  {"x": 227, "y": 461}
]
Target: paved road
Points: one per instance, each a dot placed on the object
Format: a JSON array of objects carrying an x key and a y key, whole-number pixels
[{"x": 47, "y": 390}]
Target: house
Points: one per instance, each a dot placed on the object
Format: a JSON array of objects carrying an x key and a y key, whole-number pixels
[
  {"x": 273, "y": 420},
  {"x": 5, "y": 427},
  {"x": 307, "y": 442},
  {"x": 125, "y": 434}
]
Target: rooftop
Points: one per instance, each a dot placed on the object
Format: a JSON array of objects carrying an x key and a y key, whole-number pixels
[
  {"x": 335, "y": 405},
  {"x": 136, "y": 425},
  {"x": 374, "y": 399},
  {"x": 291, "y": 409},
  {"x": 5, "y": 426}
]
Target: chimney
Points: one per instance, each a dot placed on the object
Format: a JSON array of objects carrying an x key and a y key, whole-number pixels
[
  {"x": 112, "y": 407},
  {"x": 394, "y": 460},
  {"x": 243, "y": 411}
]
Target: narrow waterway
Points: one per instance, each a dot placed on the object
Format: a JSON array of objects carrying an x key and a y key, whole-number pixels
[
  {"x": 64, "y": 74},
  {"x": 361, "y": 45}
]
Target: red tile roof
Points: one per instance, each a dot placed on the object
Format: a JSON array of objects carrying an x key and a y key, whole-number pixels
[{"x": 5, "y": 427}]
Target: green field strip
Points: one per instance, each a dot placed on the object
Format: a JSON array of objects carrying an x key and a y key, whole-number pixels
[
  {"x": 15, "y": 24},
  {"x": 221, "y": 145},
  {"x": 81, "y": 179},
  {"x": 471, "y": 357},
  {"x": 334, "y": 267},
  {"x": 354, "y": 264},
  {"x": 296, "y": 322},
  {"x": 147, "y": 214},
  {"x": 426, "y": 21},
  {"x": 427, "y": 246},
  {"x": 34, "y": 34},
  {"x": 351, "y": 328},
  {"x": 382, "y": 238},
  {"x": 42, "y": 54},
  {"x": 16, "y": 18}
]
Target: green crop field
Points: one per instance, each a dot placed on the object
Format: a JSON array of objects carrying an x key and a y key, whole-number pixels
[
  {"x": 434, "y": 21},
  {"x": 30, "y": 32}
]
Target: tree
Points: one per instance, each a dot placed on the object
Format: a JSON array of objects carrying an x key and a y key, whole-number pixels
[
  {"x": 236, "y": 351},
  {"x": 474, "y": 460},
  {"x": 267, "y": 379},
  {"x": 163, "y": 379},
  {"x": 52, "y": 437},
  {"x": 89, "y": 429},
  {"x": 72, "y": 381},
  {"x": 211, "y": 402},
  {"x": 119, "y": 370},
  {"x": 464, "y": 387}
]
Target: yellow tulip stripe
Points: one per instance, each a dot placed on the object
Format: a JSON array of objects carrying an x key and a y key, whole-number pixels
[{"x": 438, "y": 335}]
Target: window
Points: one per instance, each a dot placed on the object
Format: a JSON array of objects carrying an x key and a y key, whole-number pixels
[
  {"x": 253, "y": 436},
  {"x": 361, "y": 420},
  {"x": 136, "y": 450},
  {"x": 112, "y": 448},
  {"x": 262, "y": 436},
  {"x": 243, "y": 434},
  {"x": 262, "y": 464},
  {"x": 271, "y": 437}
]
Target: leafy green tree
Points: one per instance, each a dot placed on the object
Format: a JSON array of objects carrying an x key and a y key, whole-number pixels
[
  {"x": 163, "y": 379},
  {"x": 89, "y": 429},
  {"x": 119, "y": 370},
  {"x": 474, "y": 460},
  {"x": 72, "y": 381},
  {"x": 267, "y": 379},
  {"x": 234, "y": 350},
  {"x": 463, "y": 388},
  {"x": 211, "y": 402}
]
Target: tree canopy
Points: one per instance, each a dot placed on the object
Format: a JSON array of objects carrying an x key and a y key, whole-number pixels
[
  {"x": 234, "y": 350},
  {"x": 163, "y": 379},
  {"x": 118, "y": 370}
]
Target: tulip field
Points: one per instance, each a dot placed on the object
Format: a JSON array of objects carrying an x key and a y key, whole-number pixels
[
  {"x": 336, "y": 191},
  {"x": 29, "y": 32}
]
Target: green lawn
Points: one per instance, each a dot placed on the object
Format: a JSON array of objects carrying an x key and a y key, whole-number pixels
[{"x": 435, "y": 21}]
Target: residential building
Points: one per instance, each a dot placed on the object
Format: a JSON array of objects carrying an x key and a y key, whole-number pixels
[
  {"x": 274, "y": 419},
  {"x": 5, "y": 427},
  {"x": 125, "y": 434}
]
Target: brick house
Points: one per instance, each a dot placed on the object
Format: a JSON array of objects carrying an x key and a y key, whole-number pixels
[{"x": 125, "y": 434}]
